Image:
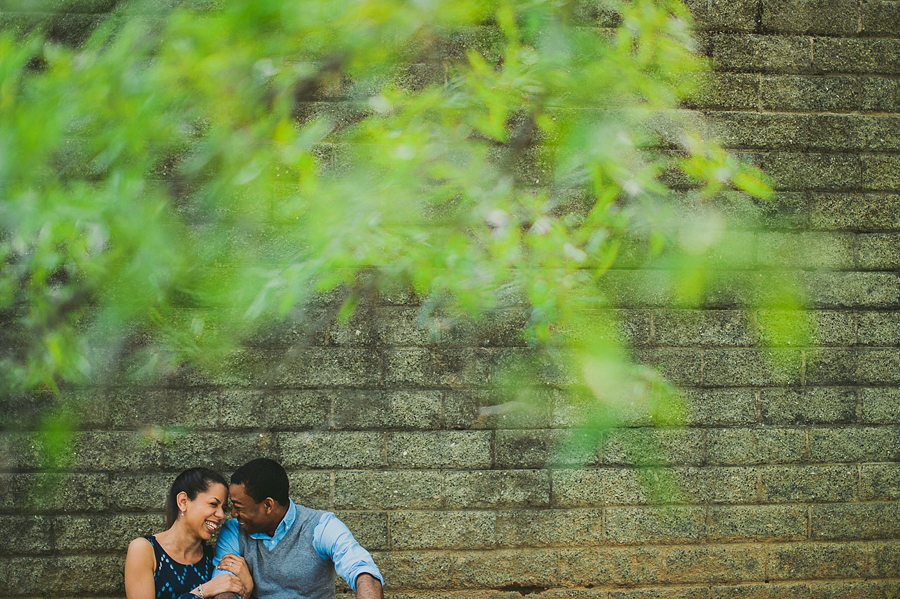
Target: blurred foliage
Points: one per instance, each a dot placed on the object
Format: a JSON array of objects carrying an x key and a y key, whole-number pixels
[{"x": 188, "y": 176}]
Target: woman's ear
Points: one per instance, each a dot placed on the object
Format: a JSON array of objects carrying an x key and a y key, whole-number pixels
[{"x": 181, "y": 500}]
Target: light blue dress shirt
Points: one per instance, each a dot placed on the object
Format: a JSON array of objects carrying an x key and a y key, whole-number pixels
[{"x": 332, "y": 540}]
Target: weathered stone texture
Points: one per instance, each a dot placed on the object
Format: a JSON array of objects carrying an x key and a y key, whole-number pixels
[{"x": 781, "y": 478}]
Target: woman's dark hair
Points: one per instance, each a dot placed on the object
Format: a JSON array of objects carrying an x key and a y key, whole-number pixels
[
  {"x": 193, "y": 482},
  {"x": 263, "y": 478}
]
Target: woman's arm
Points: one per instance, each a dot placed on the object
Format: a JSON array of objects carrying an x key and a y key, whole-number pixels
[{"x": 139, "y": 565}]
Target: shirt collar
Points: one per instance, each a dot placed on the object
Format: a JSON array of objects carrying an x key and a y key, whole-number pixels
[{"x": 283, "y": 527}]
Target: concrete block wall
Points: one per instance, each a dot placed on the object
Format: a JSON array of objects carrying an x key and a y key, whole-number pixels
[{"x": 787, "y": 479}]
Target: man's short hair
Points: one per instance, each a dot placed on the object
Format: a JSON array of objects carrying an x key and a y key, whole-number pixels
[{"x": 263, "y": 478}]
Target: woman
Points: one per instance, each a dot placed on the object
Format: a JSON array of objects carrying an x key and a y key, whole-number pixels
[{"x": 177, "y": 563}]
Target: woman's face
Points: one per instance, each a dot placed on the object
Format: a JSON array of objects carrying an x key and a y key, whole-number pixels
[{"x": 206, "y": 512}]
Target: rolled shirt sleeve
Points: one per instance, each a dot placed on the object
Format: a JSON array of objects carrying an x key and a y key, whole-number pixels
[{"x": 332, "y": 540}]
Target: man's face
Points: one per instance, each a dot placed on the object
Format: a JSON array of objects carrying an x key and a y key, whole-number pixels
[{"x": 252, "y": 516}]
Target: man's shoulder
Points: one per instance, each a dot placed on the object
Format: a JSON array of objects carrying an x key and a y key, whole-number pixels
[{"x": 230, "y": 527}]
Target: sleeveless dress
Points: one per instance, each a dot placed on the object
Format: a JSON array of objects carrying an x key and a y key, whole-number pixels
[{"x": 176, "y": 581}]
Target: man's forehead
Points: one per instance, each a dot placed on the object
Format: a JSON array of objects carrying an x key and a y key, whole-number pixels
[{"x": 238, "y": 493}]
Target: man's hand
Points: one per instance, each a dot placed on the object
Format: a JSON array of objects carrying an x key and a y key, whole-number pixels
[
  {"x": 368, "y": 587},
  {"x": 238, "y": 566},
  {"x": 226, "y": 596}
]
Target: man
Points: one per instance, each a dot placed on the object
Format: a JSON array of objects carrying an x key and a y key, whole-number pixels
[{"x": 291, "y": 551}]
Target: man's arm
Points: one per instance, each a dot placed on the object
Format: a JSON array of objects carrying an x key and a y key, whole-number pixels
[
  {"x": 368, "y": 587},
  {"x": 228, "y": 544},
  {"x": 333, "y": 541}
]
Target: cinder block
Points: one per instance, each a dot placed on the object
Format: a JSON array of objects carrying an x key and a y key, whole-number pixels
[
  {"x": 761, "y": 591},
  {"x": 852, "y": 289},
  {"x": 386, "y": 490},
  {"x": 781, "y": 484},
  {"x": 879, "y": 366},
  {"x": 369, "y": 528},
  {"x": 275, "y": 409},
  {"x": 812, "y": 405},
  {"x": 805, "y": 561},
  {"x": 548, "y": 527},
  {"x": 725, "y": 91},
  {"x": 75, "y": 574},
  {"x": 863, "y": 444},
  {"x": 388, "y": 409},
  {"x": 439, "y": 449},
  {"x": 881, "y": 171},
  {"x": 879, "y": 482},
  {"x": 852, "y": 589},
  {"x": 468, "y": 367},
  {"x": 312, "y": 367},
  {"x": 518, "y": 407},
  {"x": 815, "y": 171},
  {"x": 332, "y": 449},
  {"x": 402, "y": 326},
  {"x": 648, "y": 525},
  {"x": 312, "y": 489},
  {"x": 880, "y": 405},
  {"x": 855, "y": 211},
  {"x": 720, "y": 407},
  {"x": 407, "y": 368},
  {"x": 720, "y": 15},
  {"x": 646, "y": 447},
  {"x": 751, "y": 367},
  {"x": 735, "y": 485},
  {"x": 103, "y": 533},
  {"x": 884, "y": 560},
  {"x": 839, "y": 17},
  {"x": 539, "y": 448},
  {"x": 880, "y": 94},
  {"x": 26, "y": 535},
  {"x": 804, "y": 328},
  {"x": 140, "y": 492},
  {"x": 754, "y": 130},
  {"x": 745, "y": 446},
  {"x": 704, "y": 328},
  {"x": 223, "y": 452},
  {"x": 748, "y": 52},
  {"x": 879, "y": 251},
  {"x": 498, "y": 568},
  {"x": 662, "y": 564},
  {"x": 807, "y": 250},
  {"x": 497, "y": 489},
  {"x": 681, "y": 366},
  {"x": 757, "y": 523},
  {"x": 108, "y": 451},
  {"x": 416, "y": 569},
  {"x": 594, "y": 487},
  {"x": 833, "y": 366},
  {"x": 856, "y": 521},
  {"x": 879, "y": 17},
  {"x": 856, "y": 55},
  {"x": 443, "y": 530},
  {"x": 809, "y": 93},
  {"x": 692, "y": 592}
]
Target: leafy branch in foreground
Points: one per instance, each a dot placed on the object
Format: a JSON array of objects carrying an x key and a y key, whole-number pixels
[{"x": 171, "y": 188}]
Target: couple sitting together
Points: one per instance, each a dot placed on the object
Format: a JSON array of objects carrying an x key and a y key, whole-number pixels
[{"x": 272, "y": 548}]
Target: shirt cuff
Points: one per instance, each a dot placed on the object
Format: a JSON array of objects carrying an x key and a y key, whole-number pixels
[{"x": 365, "y": 569}]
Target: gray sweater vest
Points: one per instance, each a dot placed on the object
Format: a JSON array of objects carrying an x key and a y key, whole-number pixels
[{"x": 293, "y": 570}]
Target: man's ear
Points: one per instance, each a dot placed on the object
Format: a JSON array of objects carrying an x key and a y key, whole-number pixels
[{"x": 268, "y": 504}]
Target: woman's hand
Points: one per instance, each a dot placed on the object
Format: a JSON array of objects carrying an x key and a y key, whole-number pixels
[
  {"x": 224, "y": 583},
  {"x": 238, "y": 566}
]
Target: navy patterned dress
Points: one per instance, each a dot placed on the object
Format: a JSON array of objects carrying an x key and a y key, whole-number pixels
[{"x": 176, "y": 581}]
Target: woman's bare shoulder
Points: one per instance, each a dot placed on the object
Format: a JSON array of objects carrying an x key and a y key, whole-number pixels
[{"x": 140, "y": 550}]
